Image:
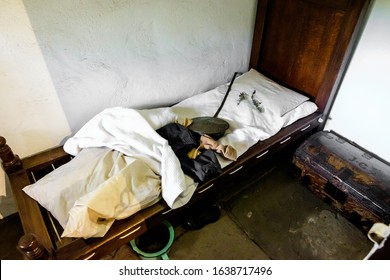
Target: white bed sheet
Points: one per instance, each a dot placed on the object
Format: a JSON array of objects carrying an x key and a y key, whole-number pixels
[{"x": 247, "y": 125}]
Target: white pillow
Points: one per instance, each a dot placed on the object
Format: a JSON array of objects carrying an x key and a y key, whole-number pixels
[
  {"x": 276, "y": 100},
  {"x": 273, "y": 97},
  {"x": 303, "y": 110}
]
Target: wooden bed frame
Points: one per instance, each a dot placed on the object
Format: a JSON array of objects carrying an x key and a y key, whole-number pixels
[{"x": 305, "y": 45}]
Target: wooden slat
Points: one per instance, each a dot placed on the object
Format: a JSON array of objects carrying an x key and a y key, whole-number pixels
[{"x": 44, "y": 158}]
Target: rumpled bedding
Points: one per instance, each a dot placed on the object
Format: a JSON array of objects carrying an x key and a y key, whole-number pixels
[
  {"x": 128, "y": 131},
  {"x": 123, "y": 165}
]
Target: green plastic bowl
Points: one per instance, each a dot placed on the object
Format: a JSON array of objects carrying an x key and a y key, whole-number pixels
[{"x": 155, "y": 243}]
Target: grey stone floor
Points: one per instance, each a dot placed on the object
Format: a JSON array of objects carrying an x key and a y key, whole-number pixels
[{"x": 290, "y": 223}]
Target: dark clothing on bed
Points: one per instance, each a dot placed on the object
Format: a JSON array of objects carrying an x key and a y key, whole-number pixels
[{"x": 182, "y": 140}]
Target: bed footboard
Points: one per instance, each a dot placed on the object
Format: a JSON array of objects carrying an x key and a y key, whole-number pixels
[
  {"x": 28, "y": 244},
  {"x": 36, "y": 243}
]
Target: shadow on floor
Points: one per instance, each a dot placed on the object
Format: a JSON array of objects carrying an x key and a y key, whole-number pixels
[
  {"x": 289, "y": 222},
  {"x": 10, "y": 232}
]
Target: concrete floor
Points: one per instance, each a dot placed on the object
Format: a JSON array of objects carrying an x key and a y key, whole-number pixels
[
  {"x": 290, "y": 223},
  {"x": 268, "y": 218},
  {"x": 222, "y": 240}
]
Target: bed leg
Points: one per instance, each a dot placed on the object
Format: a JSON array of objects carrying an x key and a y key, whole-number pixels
[
  {"x": 32, "y": 249},
  {"x": 11, "y": 162}
]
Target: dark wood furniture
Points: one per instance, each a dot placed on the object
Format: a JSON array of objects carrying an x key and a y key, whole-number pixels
[
  {"x": 302, "y": 44},
  {"x": 351, "y": 179}
]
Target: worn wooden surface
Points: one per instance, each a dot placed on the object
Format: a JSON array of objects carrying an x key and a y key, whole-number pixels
[
  {"x": 354, "y": 181},
  {"x": 306, "y": 45},
  {"x": 9, "y": 160}
]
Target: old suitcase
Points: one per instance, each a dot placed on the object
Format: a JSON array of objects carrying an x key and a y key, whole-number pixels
[{"x": 352, "y": 180}]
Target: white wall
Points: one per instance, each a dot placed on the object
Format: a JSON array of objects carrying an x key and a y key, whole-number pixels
[
  {"x": 142, "y": 53},
  {"x": 62, "y": 62},
  {"x": 65, "y": 61},
  {"x": 362, "y": 108},
  {"x": 31, "y": 117}
]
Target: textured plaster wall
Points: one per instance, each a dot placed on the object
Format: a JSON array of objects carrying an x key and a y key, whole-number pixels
[
  {"x": 139, "y": 53},
  {"x": 361, "y": 110},
  {"x": 62, "y": 62},
  {"x": 31, "y": 117}
]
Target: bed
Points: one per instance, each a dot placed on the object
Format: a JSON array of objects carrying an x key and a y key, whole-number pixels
[{"x": 308, "y": 57}]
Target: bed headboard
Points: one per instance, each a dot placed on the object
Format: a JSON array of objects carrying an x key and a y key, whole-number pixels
[{"x": 307, "y": 44}]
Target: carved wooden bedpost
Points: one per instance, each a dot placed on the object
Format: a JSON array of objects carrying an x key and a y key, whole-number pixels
[
  {"x": 11, "y": 162},
  {"x": 32, "y": 249}
]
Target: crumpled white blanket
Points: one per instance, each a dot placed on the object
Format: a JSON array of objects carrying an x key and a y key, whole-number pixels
[
  {"x": 132, "y": 132},
  {"x": 129, "y": 166}
]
